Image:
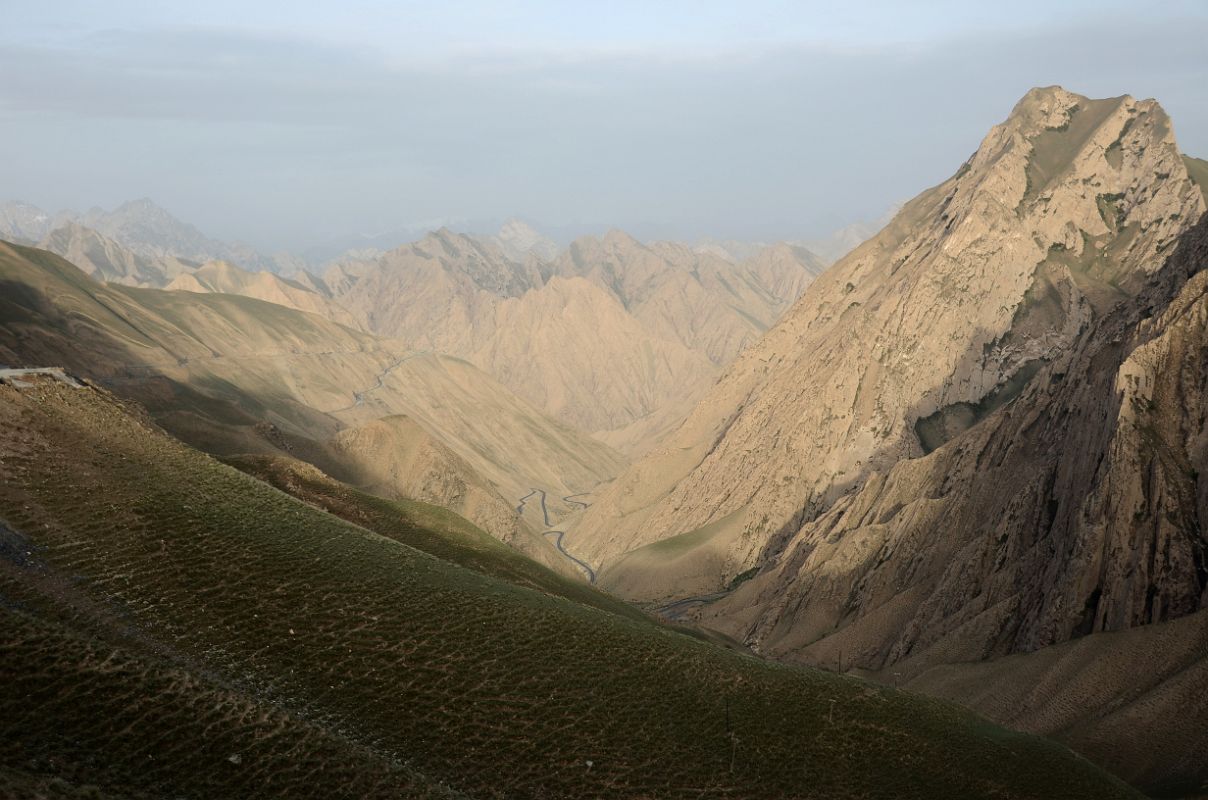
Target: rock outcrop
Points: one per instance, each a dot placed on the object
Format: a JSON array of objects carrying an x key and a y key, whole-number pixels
[{"x": 1035, "y": 550}]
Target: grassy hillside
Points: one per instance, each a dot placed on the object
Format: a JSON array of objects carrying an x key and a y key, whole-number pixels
[
  {"x": 173, "y": 627},
  {"x": 431, "y": 529}
]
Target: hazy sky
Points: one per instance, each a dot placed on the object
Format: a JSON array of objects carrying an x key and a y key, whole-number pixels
[{"x": 293, "y": 122}]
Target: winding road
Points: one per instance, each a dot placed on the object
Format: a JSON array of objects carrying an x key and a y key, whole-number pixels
[
  {"x": 676, "y": 609},
  {"x": 583, "y": 565},
  {"x": 544, "y": 510},
  {"x": 381, "y": 379},
  {"x": 591, "y": 573},
  {"x": 570, "y": 499}
]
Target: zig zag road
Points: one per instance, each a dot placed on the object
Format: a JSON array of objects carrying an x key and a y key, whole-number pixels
[
  {"x": 583, "y": 565},
  {"x": 381, "y": 379}
]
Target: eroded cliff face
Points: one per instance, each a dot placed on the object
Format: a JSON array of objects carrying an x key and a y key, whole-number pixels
[
  {"x": 1065, "y": 209},
  {"x": 1079, "y": 508}
]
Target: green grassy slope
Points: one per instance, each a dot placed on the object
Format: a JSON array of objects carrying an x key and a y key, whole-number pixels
[
  {"x": 173, "y": 627},
  {"x": 428, "y": 528}
]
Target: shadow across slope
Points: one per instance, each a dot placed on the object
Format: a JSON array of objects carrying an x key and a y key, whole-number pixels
[{"x": 185, "y": 629}]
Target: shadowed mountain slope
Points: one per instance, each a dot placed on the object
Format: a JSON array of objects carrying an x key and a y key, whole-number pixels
[
  {"x": 233, "y": 375},
  {"x": 979, "y": 436},
  {"x": 1077, "y": 509},
  {"x": 429, "y": 528},
  {"x": 190, "y": 631},
  {"x": 1087, "y": 486},
  {"x": 1132, "y": 701}
]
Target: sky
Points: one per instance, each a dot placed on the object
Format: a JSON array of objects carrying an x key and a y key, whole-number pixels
[{"x": 288, "y": 124}]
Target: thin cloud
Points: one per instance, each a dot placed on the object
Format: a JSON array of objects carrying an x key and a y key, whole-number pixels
[{"x": 278, "y": 139}]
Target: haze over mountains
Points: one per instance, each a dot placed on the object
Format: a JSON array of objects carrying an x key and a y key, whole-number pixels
[
  {"x": 605, "y": 337},
  {"x": 138, "y": 225},
  {"x": 969, "y": 457},
  {"x": 610, "y": 335}
]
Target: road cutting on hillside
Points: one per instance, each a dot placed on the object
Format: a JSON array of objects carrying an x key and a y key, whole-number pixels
[{"x": 557, "y": 534}]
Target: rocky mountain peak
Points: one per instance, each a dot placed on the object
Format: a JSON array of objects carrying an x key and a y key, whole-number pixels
[
  {"x": 24, "y": 221},
  {"x": 141, "y": 205},
  {"x": 618, "y": 239},
  {"x": 519, "y": 240},
  {"x": 1076, "y": 171},
  {"x": 1041, "y": 102},
  {"x": 1062, "y": 212}
]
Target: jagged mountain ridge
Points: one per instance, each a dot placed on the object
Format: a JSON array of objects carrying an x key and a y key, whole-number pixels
[
  {"x": 606, "y": 337},
  {"x": 25, "y": 222},
  {"x": 222, "y": 277},
  {"x": 706, "y": 303},
  {"x": 444, "y": 293},
  {"x": 146, "y": 228},
  {"x": 107, "y": 260},
  {"x": 142, "y": 227},
  {"x": 1058, "y": 215},
  {"x": 622, "y": 359}
]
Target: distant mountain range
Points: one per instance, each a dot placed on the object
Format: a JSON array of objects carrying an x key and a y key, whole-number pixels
[
  {"x": 233, "y": 374},
  {"x": 610, "y": 335},
  {"x": 140, "y": 226},
  {"x": 150, "y": 231}
]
